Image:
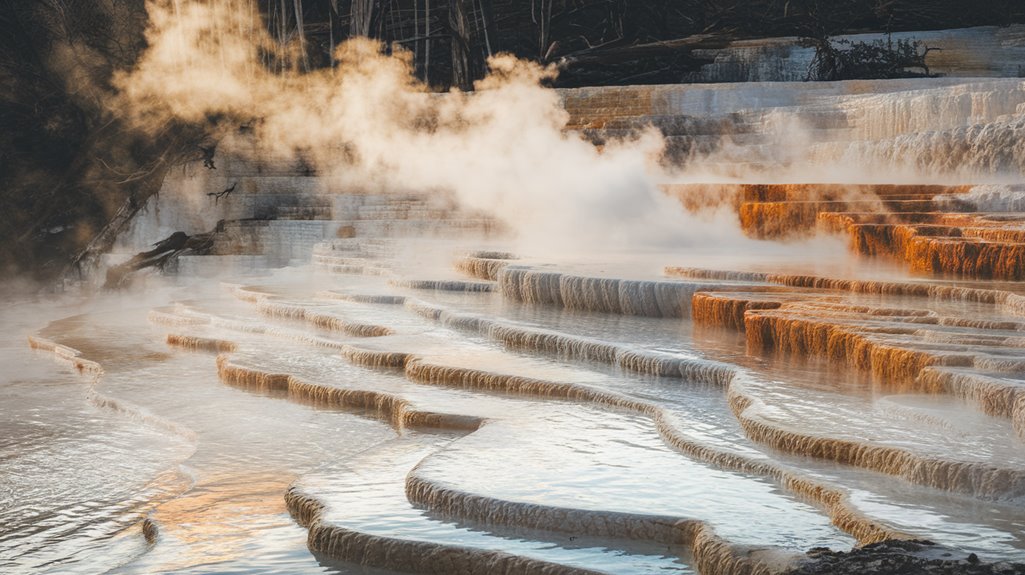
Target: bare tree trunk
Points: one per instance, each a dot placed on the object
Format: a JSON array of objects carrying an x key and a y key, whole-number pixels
[
  {"x": 427, "y": 42},
  {"x": 365, "y": 13},
  {"x": 88, "y": 259},
  {"x": 543, "y": 19},
  {"x": 462, "y": 59},
  {"x": 485, "y": 19}
]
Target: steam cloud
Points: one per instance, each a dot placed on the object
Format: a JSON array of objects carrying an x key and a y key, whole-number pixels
[{"x": 368, "y": 123}]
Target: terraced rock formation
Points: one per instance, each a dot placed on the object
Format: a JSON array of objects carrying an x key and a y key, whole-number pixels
[
  {"x": 360, "y": 381},
  {"x": 970, "y": 232},
  {"x": 625, "y": 448}
]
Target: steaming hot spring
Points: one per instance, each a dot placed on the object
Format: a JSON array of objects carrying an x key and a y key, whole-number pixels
[{"x": 717, "y": 329}]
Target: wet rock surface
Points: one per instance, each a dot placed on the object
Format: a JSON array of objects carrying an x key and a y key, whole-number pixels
[{"x": 901, "y": 558}]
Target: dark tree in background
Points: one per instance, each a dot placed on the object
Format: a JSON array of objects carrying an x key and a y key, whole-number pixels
[
  {"x": 73, "y": 169},
  {"x": 66, "y": 164},
  {"x": 625, "y": 41}
]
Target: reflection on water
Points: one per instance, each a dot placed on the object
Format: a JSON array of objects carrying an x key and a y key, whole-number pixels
[
  {"x": 83, "y": 464},
  {"x": 369, "y": 496},
  {"x": 74, "y": 480},
  {"x": 381, "y": 410},
  {"x": 159, "y": 436}
]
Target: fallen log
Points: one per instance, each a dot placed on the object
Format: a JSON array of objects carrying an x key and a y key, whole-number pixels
[{"x": 163, "y": 252}]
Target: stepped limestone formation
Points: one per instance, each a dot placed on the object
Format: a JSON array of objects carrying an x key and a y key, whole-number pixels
[{"x": 358, "y": 380}]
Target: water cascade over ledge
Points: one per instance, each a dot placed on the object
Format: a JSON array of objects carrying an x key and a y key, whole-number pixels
[{"x": 755, "y": 329}]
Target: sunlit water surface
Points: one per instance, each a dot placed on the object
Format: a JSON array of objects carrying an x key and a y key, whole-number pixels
[{"x": 85, "y": 459}]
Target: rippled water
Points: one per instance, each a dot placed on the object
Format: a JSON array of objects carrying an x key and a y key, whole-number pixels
[
  {"x": 372, "y": 409},
  {"x": 157, "y": 437},
  {"x": 812, "y": 395},
  {"x": 160, "y": 437}
]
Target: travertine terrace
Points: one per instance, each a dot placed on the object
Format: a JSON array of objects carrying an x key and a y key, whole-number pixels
[{"x": 374, "y": 379}]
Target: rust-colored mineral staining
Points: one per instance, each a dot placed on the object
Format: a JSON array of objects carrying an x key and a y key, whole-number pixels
[{"x": 931, "y": 229}]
